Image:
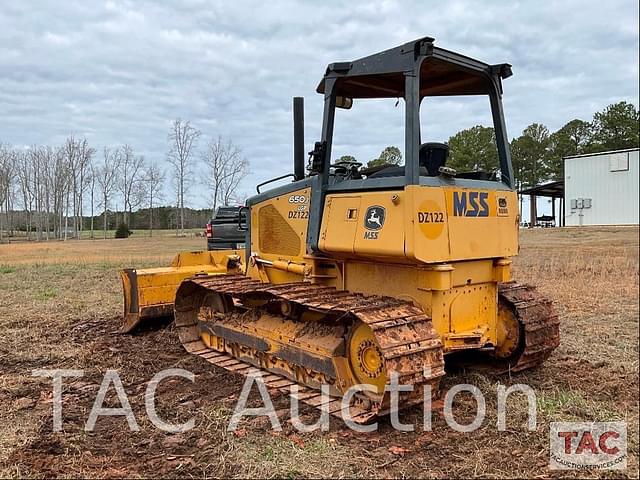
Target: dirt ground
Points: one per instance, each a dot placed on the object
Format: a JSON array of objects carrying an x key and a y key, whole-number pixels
[{"x": 60, "y": 307}]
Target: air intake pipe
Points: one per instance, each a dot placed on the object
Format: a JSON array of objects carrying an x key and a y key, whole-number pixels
[{"x": 298, "y": 138}]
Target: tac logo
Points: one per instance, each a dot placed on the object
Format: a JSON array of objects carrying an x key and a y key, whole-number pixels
[
  {"x": 584, "y": 445},
  {"x": 470, "y": 204},
  {"x": 373, "y": 221}
]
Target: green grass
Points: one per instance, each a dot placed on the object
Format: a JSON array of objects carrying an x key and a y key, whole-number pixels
[
  {"x": 6, "y": 269},
  {"x": 569, "y": 404},
  {"x": 47, "y": 293},
  {"x": 558, "y": 402}
]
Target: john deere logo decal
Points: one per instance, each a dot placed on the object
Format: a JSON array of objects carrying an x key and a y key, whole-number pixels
[{"x": 374, "y": 219}]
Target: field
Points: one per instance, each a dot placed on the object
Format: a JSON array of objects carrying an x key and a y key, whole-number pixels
[
  {"x": 60, "y": 307},
  {"x": 20, "y": 237}
]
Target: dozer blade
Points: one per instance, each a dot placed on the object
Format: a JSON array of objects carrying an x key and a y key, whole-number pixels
[{"x": 150, "y": 293}]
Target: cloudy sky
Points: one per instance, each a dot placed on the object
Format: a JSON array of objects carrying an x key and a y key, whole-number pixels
[{"x": 119, "y": 71}]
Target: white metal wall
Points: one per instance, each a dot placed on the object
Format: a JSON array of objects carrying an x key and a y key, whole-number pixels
[{"x": 613, "y": 194}]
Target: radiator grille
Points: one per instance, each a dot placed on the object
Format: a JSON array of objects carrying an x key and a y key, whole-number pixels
[{"x": 276, "y": 235}]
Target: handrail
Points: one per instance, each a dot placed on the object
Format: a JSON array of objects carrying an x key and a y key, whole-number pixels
[{"x": 273, "y": 180}]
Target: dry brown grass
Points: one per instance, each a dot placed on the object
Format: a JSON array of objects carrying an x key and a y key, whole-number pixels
[
  {"x": 592, "y": 276},
  {"x": 135, "y": 250},
  {"x": 60, "y": 305}
]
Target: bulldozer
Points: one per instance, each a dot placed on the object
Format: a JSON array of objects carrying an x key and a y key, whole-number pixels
[{"x": 352, "y": 275}]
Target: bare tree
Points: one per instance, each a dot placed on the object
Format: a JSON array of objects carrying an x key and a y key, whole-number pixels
[
  {"x": 228, "y": 192},
  {"x": 154, "y": 179},
  {"x": 47, "y": 157},
  {"x": 77, "y": 155},
  {"x": 72, "y": 157},
  {"x": 25, "y": 178},
  {"x": 107, "y": 176},
  {"x": 59, "y": 178},
  {"x": 225, "y": 169},
  {"x": 38, "y": 186},
  {"x": 7, "y": 173},
  {"x": 182, "y": 139},
  {"x": 129, "y": 172},
  {"x": 86, "y": 154},
  {"x": 93, "y": 174}
]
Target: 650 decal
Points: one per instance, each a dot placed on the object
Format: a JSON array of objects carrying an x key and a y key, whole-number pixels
[
  {"x": 301, "y": 210},
  {"x": 298, "y": 199}
]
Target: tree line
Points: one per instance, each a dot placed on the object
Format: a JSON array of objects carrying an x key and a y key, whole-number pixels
[
  {"x": 57, "y": 192},
  {"x": 537, "y": 153},
  {"x": 60, "y": 191}
]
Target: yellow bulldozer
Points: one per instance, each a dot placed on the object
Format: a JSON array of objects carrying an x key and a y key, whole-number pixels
[{"x": 353, "y": 275}]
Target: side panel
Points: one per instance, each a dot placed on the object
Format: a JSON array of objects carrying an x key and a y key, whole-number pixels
[
  {"x": 380, "y": 230},
  {"x": 279, "y": 232},
  {"x": 370, "y": 224},
  {"x": 343, "y": 213},
  {"x": 478, "y": 227},
  {"x": 457, "y": 224},
  {"x": 427, "y": 225},
  {"x": 422, "y": 223}
]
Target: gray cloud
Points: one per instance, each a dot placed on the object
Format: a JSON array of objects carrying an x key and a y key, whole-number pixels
[{"x": 120, "y": 71}]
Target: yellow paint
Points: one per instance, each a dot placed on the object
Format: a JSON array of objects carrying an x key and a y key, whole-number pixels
[
  {"x": 275, "y": 337},
  {"x": 431, "y": 219},
  {"x": 343, "y": 211},
  {"x": 366, "y": 359},
  {"x": 422, "y": 224},
  {"x": 507, "y": 332},
  {"x": 292, "y": 209},
  {"x": 482, "y": 237},
  {"x": 460, "y": 297},
  {"x": 427, "y": 237},
  {"x": 443, "y": 248},
  {"x": 388, "y": 241}
]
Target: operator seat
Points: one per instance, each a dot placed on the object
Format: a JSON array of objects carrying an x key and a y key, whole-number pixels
[{"x": 432, "y": 156}]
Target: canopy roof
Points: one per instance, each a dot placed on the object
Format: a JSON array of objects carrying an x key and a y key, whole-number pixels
[
  {"x": 551, "y": 189},
  {"x": 442, "y": 72}
]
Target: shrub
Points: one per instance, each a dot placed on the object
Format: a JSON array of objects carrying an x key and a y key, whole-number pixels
[{"x": 123, "y": 231}]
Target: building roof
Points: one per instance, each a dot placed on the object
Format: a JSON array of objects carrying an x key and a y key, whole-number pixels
[
  {"x": 551, "y": 189},
  {"x": 602, "y": 153}
]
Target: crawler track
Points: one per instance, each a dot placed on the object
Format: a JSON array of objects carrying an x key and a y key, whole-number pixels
[
  {"x": 406, "y": 340},
  {"x": 404, "y": 336},
  {"x": 538, "y": 320}
]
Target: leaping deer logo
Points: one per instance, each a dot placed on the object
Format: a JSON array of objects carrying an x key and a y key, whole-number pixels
[{"x": 374, "y": 218}]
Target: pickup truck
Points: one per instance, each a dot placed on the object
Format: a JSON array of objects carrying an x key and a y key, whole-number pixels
[{"x": 225, "y": 230}]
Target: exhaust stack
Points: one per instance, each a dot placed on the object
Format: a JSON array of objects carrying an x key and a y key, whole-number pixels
[{"x": 298, "y": 138}]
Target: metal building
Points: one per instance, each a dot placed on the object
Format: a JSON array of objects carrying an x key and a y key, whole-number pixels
[{"x": 602, "y": 188}]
